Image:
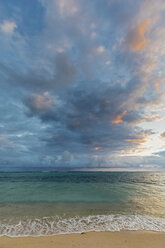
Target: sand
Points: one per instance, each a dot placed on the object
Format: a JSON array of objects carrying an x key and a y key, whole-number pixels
[{"x": 125, "y": 239}]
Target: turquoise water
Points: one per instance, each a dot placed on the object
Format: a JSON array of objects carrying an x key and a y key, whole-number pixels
[{"x": 46, "y": 203}]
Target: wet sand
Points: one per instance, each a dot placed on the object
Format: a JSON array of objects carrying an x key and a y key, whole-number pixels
[{"x": 123, "y": 239}]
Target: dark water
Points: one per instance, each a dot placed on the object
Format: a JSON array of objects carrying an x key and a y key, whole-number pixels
[{"x": 46, "y": 203}]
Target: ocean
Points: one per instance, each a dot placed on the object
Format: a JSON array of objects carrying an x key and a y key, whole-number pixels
[{"x": 49, "y": 203}]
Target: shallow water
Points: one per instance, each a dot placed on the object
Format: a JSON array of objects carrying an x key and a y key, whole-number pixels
[{"x": 46, "y": 203}]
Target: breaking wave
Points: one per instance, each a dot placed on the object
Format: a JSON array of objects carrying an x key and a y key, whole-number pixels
[{"x": 47, "y": 226}]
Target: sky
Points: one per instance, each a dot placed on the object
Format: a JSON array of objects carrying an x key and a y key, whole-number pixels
[{"x": 82, "y": 84}]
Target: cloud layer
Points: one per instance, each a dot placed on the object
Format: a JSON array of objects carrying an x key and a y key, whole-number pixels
[{"x": 82, "y": 86}]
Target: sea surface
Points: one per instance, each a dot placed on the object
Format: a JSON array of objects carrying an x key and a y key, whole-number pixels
[{"x": 49, "y": 203}]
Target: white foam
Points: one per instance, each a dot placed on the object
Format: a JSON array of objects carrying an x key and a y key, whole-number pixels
[{"x": 57, "y": 225}]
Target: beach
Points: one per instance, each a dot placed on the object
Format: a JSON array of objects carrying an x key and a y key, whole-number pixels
[{"x": 123, "y": 239}]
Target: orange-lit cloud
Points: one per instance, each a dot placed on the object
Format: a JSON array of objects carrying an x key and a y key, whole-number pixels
[
  {"x": 132, "y": 140},
  {"x": 139, "y": 140},
  {"x": 118, "y": 118},
  {"x": 137, "y": 38},
  {"x": 96, "y": 148}
]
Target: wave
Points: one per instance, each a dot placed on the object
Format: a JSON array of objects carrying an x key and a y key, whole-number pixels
[{"x": 48, "y": 226}]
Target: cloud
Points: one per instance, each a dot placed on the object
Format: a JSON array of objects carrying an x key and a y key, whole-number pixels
[
  {"x": 118, "y": 118},
  {"x": 61, "y": 74},
  {"x": 77, "y": 85},
  {"x": 163, "y": 135},
  {"x": 66, "y": 156},
  {"x": 65, "y": 70},
  {"x": 67, "y": 8},
  {"x": 161, "y": 154},
  {"x": 136, "y": 39},
  {"x": 8, "y": 27},
  {"x": 5, "y": 141},
  {"x": 39, "y": 102},
  {"x": 100, "y": 49},
  {"x": 87, "y": 118}
]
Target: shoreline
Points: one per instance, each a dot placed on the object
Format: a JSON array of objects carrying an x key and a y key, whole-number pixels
[{"x": 105, "y": 239}]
